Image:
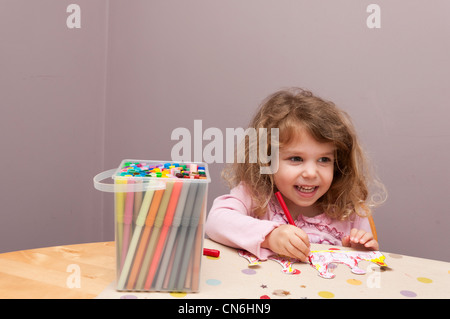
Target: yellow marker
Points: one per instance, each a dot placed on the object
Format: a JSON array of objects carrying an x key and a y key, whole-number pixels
[{"x": 119, "y": 207}]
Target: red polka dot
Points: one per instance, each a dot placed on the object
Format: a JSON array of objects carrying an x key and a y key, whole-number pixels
[
  {"x": 334, "y": 248},
  {"x": 264, "y": 297}
]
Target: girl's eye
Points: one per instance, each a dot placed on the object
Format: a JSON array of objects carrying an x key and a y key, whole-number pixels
[
  {"x": 296, "y": 159},
  {"x": 325, "y": 160}
]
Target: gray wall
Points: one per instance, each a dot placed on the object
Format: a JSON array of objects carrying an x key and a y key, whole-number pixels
[
  {"x": 79, "y": 101},
  {"x": 52, "y": 99}
]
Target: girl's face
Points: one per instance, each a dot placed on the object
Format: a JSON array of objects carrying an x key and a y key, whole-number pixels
[{"x": 305, "y": 173}]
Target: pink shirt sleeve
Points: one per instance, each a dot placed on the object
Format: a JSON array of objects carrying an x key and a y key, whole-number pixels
[{"x": 231, "y": 222}]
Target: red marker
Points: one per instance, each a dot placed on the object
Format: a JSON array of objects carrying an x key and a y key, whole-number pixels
[
  {"x": 285, "y": 209},
  {"x": 211, "y": 252}
]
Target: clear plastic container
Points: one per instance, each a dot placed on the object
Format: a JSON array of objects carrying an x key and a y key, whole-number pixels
[{"x": 160, "y": 209}]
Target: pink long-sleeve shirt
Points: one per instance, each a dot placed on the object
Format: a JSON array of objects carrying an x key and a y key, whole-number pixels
[{"x": 232, "y": 223}]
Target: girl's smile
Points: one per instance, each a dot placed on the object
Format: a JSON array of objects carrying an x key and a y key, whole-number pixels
[
  {"x": 305, "y": 173},
  {"x": 307, "y": 191}
]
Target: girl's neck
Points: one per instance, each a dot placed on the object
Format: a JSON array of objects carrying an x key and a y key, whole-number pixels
[{"x": 310, "y": 211}]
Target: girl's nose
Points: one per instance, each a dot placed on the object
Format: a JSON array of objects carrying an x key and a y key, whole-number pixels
[{"x": 309, "y": 170}]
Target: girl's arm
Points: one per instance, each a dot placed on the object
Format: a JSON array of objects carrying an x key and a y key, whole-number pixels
[{"x": 231, "y": 223}]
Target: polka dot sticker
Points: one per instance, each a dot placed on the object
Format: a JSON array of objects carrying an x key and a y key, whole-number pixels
[
  {"x": 213, "y": 258},
  {"x": 213, "y": 282},
  {"x": 248, "y": 271},
  {"x": 178, "y": 294},
  {"x": 408, "y": 293},
  {"x": 129, "y": 297},
  {"x": 425, "y": 280},
  {"x": 326, "y": 294},
  {"x": 354, "y": 282}
]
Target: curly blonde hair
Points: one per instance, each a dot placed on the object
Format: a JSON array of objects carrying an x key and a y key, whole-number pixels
[{"x": 291, "y": 110}]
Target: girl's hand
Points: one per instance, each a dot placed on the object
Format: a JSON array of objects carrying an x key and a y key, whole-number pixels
[
  {"x": 289, "y": 241},
  {"x": 360, "y": 239}
]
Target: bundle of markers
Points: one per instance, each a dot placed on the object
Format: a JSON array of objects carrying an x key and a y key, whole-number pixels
[{"x": 159, "y": 229}]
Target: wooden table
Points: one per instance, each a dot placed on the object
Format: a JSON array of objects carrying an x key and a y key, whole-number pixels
[
  {"x": 88, "y": 271},
  {"x": 52, "y": 272}
]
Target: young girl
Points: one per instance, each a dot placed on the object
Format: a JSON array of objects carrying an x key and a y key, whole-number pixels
[{"x": 322, "y": 176}]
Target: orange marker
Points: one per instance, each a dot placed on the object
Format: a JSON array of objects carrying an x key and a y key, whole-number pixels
[
  {"x": 144, "y": 239},
  {"x": 162, "y": 239}
]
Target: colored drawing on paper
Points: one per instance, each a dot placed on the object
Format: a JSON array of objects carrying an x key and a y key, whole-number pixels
[
  {"x": 252, "y": 259},
  {"x": 321, "y": 259},
  {"x": 286, "y": 263}
]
